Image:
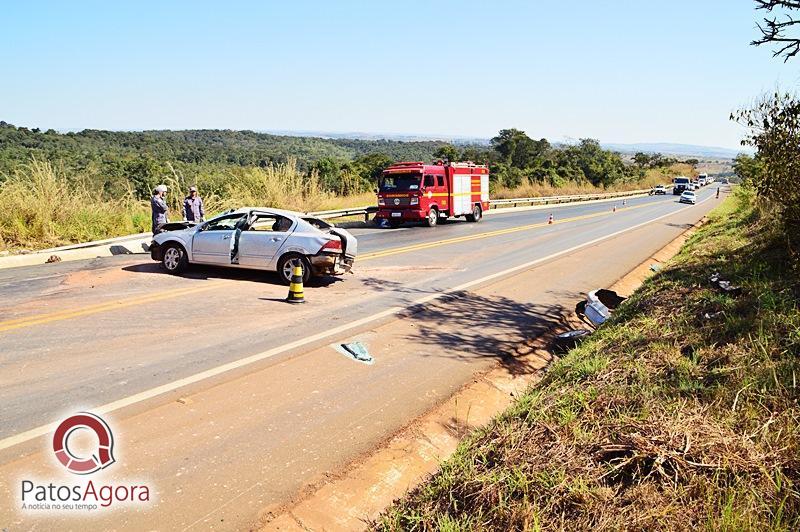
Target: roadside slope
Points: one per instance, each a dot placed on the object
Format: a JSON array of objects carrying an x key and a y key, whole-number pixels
[{"x": 665, "y": 419}]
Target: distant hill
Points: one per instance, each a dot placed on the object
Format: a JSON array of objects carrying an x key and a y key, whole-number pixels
[{"x": 668, "y": 148}]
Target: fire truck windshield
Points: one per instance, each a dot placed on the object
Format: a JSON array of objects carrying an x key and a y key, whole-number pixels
[{"x": 400, "y": 182}]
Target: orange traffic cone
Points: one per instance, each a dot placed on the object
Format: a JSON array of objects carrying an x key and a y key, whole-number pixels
[
  {"x": 550, "y": 220},
  {"x": 296, "y": 286}
]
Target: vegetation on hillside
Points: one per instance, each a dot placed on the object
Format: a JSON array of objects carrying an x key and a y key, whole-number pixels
[
  {"x": 680, "y": 413},
  {"x": 774, "y": 123},
  {"x": 103, "y": 179}
]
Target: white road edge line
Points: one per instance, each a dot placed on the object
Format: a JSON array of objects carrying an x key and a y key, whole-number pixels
[{"x": 27, "y": 435}]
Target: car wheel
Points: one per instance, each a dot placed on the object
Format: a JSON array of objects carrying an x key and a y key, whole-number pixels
[
  {"x": 174, "y": 259},
  {"x": 286, "y": 265},
  {"x": 433, "y": 217},
  {"x": 476, "y": 215}
]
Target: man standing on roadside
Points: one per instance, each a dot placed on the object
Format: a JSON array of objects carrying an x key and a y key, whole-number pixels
[
  {"x": 159, "y": 206},
  {"x": 193, "y": 209}
]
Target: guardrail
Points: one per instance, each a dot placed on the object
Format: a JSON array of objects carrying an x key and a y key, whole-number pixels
[
  {"x": 139, "y": 243},
  {"x": 493, "y": 204},
  {"x": 341, "y": 213}
]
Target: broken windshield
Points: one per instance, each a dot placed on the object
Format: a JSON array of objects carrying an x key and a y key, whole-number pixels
[{"x": 399, "y": 182}]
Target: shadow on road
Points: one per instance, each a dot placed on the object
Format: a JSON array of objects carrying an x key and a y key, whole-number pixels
[
  {"x": 204, "y": 272},
  {"x": 466, "y": 325}
]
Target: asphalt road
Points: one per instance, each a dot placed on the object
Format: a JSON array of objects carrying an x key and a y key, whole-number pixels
[{"x": 119, "y": 335}]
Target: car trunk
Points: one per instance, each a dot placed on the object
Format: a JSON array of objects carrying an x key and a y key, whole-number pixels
[{"x": 349, "y": 242}]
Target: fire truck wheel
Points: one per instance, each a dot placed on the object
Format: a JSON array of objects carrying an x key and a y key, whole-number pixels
[
  {"x": 433, "y": 217},
  {"x": 476, "y": 215}
]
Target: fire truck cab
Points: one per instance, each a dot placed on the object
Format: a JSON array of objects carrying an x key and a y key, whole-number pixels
[{"x": 415, "y": 191}]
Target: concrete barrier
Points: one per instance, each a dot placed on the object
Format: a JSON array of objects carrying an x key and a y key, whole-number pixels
[{"x": 126, "y": 245}]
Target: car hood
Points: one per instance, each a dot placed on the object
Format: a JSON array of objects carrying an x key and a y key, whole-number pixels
[{"x": 184, "y": 234}]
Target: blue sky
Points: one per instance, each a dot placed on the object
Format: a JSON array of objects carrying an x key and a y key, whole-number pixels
[{"x": 619, "y": 71}]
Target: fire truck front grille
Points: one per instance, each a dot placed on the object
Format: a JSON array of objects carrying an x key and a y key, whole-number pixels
[{"x": 398, "y": 202}]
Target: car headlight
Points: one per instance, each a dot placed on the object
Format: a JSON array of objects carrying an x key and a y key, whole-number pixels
[
  {"x": 414, "y": 200},
  {"x": 381, "y": 201}
]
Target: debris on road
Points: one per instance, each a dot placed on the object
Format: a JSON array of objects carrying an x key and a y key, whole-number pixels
[
  {"x": 357, "y": 351},
  {"x": 609, "y": 298},
  {"x": 53, "y": 258},
  {"x": 725, "y": 285},
  {"x": 596, "y": 308}
]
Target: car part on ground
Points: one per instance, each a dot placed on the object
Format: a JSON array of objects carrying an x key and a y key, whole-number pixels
[
  {"x": 725, "y": 285},
  {"x": 595, "y": 309},
  {"x": 609, "y": 298},
  {"x": 356, "y": 351},
  {"x": 567, "y": 340}
]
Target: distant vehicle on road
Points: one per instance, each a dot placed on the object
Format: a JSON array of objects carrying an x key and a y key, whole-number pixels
[
  {"x": 415, "y": 191},
  {"x": 659, "y": 190},
  {"x": 259, "y": 239},
  {"x": 688, "y": 197},
  {"x": 679, "y": 184}
]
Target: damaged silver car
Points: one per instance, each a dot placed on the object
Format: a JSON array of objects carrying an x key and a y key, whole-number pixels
[{"x": 259, "y": 239}]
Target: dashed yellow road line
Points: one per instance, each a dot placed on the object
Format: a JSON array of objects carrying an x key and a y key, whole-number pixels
[
  {"x": 489, "y": 234},
  {"x": 40, "y": 319}
]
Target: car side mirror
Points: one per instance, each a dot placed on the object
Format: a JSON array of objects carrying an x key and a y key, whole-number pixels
[{"x": 375, "y": 190}]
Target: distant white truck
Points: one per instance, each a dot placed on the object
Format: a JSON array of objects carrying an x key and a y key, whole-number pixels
[{"x": 702, "y": 180}]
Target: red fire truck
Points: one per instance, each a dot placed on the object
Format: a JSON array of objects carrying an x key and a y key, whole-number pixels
[{"x": 415, "y": 191}]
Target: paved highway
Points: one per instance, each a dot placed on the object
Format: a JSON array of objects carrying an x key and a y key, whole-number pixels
[{"x": 234, "y": 387}]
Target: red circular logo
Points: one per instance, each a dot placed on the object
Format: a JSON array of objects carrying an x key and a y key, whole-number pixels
[{"x": 104, "y": 455}]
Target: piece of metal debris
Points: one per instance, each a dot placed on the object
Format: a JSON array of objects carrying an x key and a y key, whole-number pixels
[
  {"x": 357, "y": 351},
  {"x": 655, "y": 267}
]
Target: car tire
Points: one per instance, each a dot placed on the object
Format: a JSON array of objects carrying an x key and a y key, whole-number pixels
[
  {"x": 174, "y": 259},
  {"x": 477, "y": 214},
  {"x": 286, "y": 265},
  {"x": 433, "y": 217}
]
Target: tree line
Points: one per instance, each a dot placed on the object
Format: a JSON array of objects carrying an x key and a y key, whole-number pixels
[{"x": 115, "y": 163}]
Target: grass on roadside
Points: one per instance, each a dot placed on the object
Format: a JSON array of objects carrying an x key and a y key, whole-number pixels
[
  {"x": 41, "y": 206},
  {"x": 652, "y": 177},
  {"x": 680, "y": 413}
]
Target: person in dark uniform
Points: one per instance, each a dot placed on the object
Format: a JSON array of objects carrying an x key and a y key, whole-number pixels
[
  {"x": 158, "y": 206},
  {"x": 193, "y": 210}
]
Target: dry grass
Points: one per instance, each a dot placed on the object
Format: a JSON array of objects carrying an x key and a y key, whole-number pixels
[
  {"x": 653, "y": 177},
  {"x": 42, "y": 207},
  {"x": 664, "y": 420}
]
